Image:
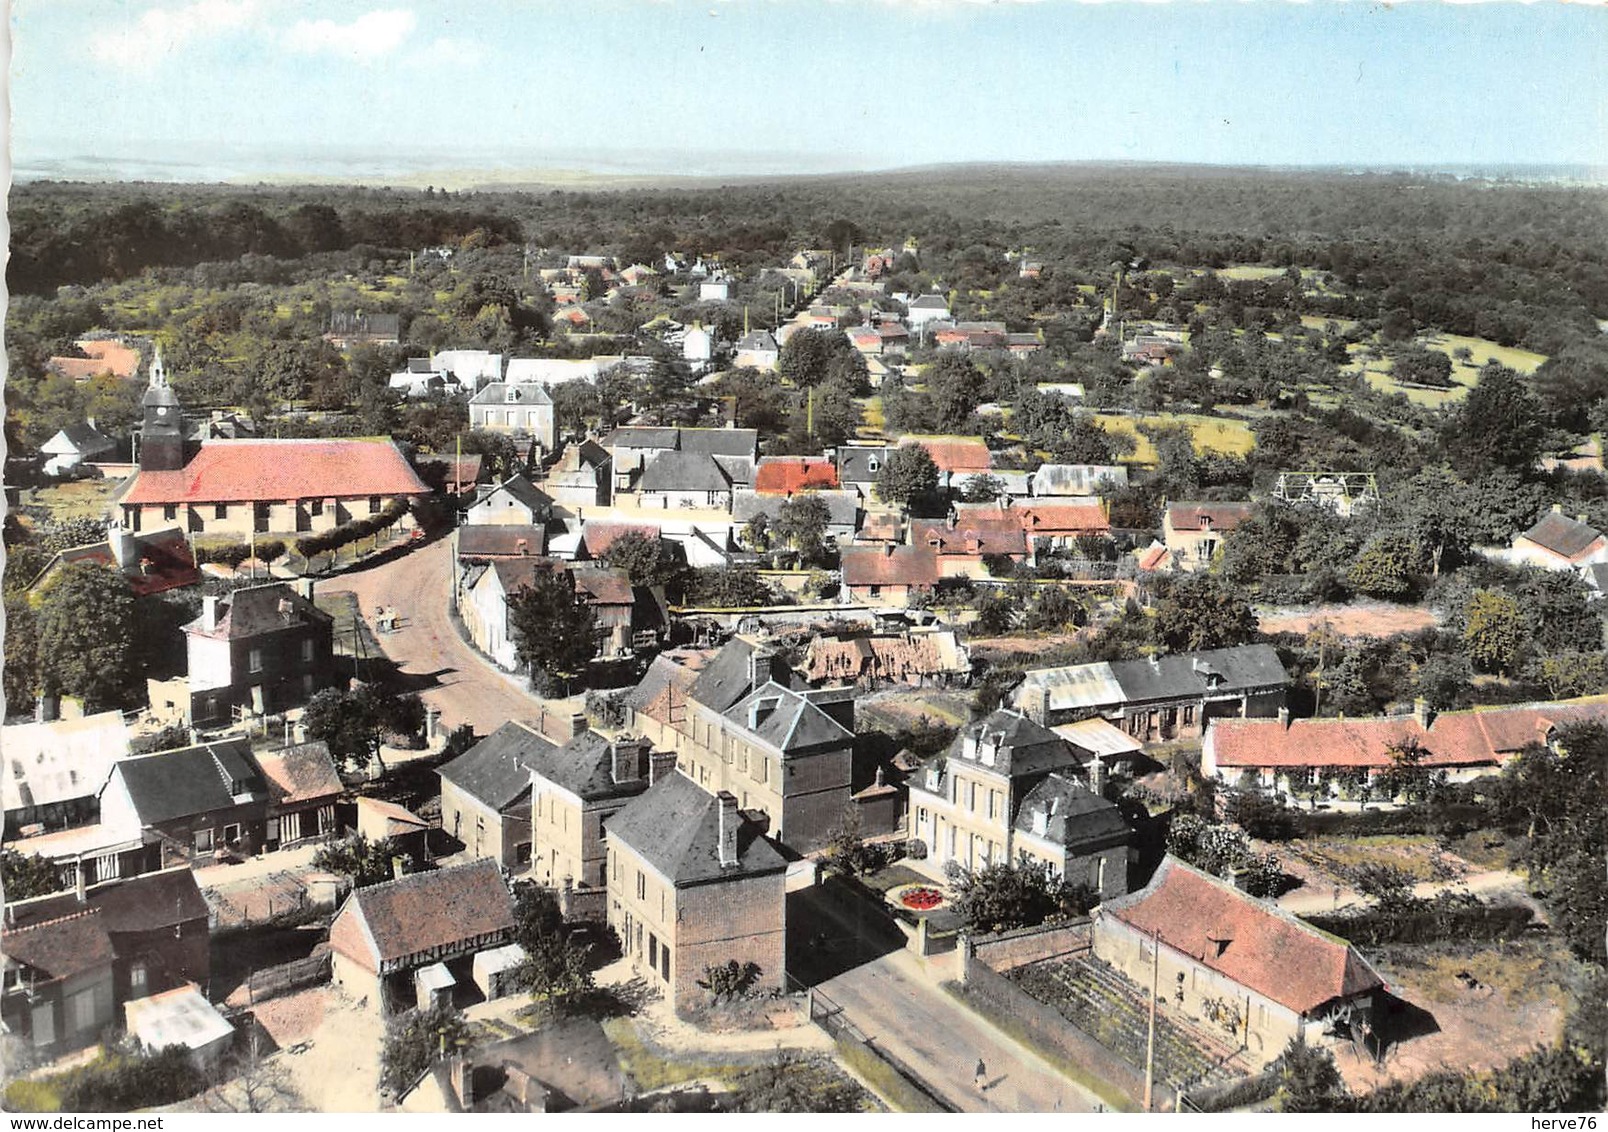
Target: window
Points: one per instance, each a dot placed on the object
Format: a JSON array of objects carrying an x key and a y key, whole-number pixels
[
  {"x": 231, "y": 834},
  {"x": 170, "y": 510},
  {"x": 307, "y": 651},
  {"x": 876, "y": 591},
  {"x": 137, "y": 980},
  {"x": 315, "y": 507},
  {"x": 653, "y": 950},
  {"x": 83, "y": 1010},
  {"x": 220, "y": 511},
  {"x": 374, "y": 505},
  {"x": 642, "y": 886},
  {"x": 203, "y": 841},
  {"x": 993, "y": 803},
  {"x": 254, "y": 660},
  {"x": 664, "y": 962}
]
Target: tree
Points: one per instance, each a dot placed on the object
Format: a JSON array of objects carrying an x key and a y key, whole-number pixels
[
  {"x": 1308, "y": 1079},
  {"x": 21, "y": 649},
  {"x": 650, "y": 561},
  {"x": 846, "y": 850},
  {"x": 983, "y": 488},
  {"x": 1386, "y": 566},
  {"x": 730, "y": 979},
  {"x": 1493, "y": 631},
  {"x": 1001, "y": 896},
  {"x": 366, "y": 862},
  {"x": 1200, "y": 612},
  {"x": 741, "y": 588},
  {"x": 415, "y": 1039},
  {"x": 1415, "y": 365},
  {"x": 837, "y": 417},
  {"x": 554, "y": 629},
  {"x": 908, "y": 474},
  {"x": 955, "y": 389},
  {"x": 1498, "y": 425},
  {"x": 23, "y": 876},
  {"x": 801, "y": 524},
  {"x": 352, "y": 722},
  {"x": 86, "y": 636},
  {"x": 1435, "y": 506},
  {"x": 812, "y": 357}
]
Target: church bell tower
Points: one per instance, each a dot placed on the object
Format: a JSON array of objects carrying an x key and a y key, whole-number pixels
[{"x": 162, "y": 434}]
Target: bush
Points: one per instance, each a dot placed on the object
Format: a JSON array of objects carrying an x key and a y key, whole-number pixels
[
  {"x": 414, "y": 1040},
  {"x": 231, "y": 554},
  {"x": 1427, "y": 921},
  {"x": 117, "y": 1081}
]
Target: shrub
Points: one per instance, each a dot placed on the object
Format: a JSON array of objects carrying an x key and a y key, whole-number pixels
[{"x": 413, "y": 1040}]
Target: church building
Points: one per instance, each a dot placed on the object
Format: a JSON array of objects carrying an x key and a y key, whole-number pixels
[{"x": 246, "y": 487}]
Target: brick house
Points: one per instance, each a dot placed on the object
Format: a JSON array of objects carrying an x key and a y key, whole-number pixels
[
  {"x": 259, "y": 650},
  {"x": 485, "y": 794},
  {"x": 1160, "y": 698},
  {"x": 386, "y": 934},
  {"x": 72, "y": 959},
  {"x": 1194, "y": 531},
  {"x": 888, "y": 575},
  {"x": 963, "y": 542},
  {"x": 1219, "y": 947},
  {"x": 693, "y": 883},
  {"x": 1557, "y": 542},
  {"x": 1007, "y": 788}
]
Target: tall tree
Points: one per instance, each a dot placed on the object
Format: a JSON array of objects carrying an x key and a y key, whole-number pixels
[
  {"x": 1494, "y": 633},
  {"x": 1200, "y": 612},
  {"x": 554, "y": 630},
  {"x": 1498, "y": 425},
  {"x": 908, "y": 475},
  {"x": 86, "y": 636}
]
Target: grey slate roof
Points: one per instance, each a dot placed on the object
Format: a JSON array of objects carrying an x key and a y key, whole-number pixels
[
  {"x": 256, "y": 610},
  {"x": 791, "y": 723},
  {"x": 1076, "y": 816},
  {"x": 854, "y": 464},
  {"x": 724, "y": 680},
  {"x": 721, "y": 441},
  {"x": 525, "y": 492},
  {"x": 842, "y": 507},
  {"x": 1018, "y": 745},
  {"x": 149, "y": 902},
  {"x": 527, "y": 393},
  {"x": 496, "y": 770},
  {"x": 636, "y": 436},
  {"x": 684, "y": 471},
  {"x": 758, "y": 340},
  {"x": 585, "y": 767},
  {"x": 1196, "y": 673},
  {"x": 190, "y": 780},
  {"x": 1562, "y": 535},
  {"x": 85, "y": 439},
  {"x": 675, "y": 827}
]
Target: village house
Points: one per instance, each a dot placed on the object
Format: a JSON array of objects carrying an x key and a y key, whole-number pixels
[
  {"x": 219, "y": 799},
  {"x": 954, "y": 455},
  {"x": 379, "y": 820},
  {"x": 574, "y": 789},
  {"x": 633, "y": 447},
  {"x": 859, "y": 467},
  {"x": 485, "y": 589},
  {"x": 784, "y": 475},
  {"x": 657, "y": 708},
  {"x": 842, "y": 510},
  {"x": 408, "y": 942},
  {"x": 675, "y": 480},
  {"x": 1078, "y": 479},
  {"x": 75, "y": 446},
  {"x": 927, "y": 309},
  {"x": 963, "y": 544},
  {"x": 1024, "y": 343},
  {"x": 1194, "y": 531},
  {"x": 1557, "y": 542},
  {"x": 1327, "y": 758},
  {"x": 786, "y": 751},
  {"x": 928, "y": 658},
  {"x": 698, "y": 346},
  {"x": 470, "y": 369},
  {"x": 991, "y": 799},
  {"x": 1004, "y": 483},
  {"x": 1218, "y": 951},
  {"x": 53, "y": 770},
  {"x": 111, "y": 357},
  {"x": 455, "y": 476},
  {"x": 515, "y": 501},
  {"x": 523, "y": 410},
  {"x": 583, "y": 477},
  {"x": 71, "y": 960},
  {"x": 757, "y": 350},
  {"x": 1160, "y": 698},
  {"x": 968, "y": 336},
  {"x": 258, "y": 651},
  {"x": 694, "y": 884},
  {"x": 888, "y": 576},
  {"x": 485, "y": 794}
]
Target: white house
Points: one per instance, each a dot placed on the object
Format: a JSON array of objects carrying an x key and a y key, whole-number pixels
[
  {"x": 758, "y": 350},
  {"x": 523, "y": 410},
  {"x": 927, "y": 308},
  {"x": 698, "y": 346},
  {"x": 74, "y": 445},
  {"x": 471, "y": 368}
]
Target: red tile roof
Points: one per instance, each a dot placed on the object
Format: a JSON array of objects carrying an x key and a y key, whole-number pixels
[
  {"x": 890, "y": 566},
  {"x": 448, "y": 908},
  {"x": 61, "y": 948},
  {"x": 1453, "y": 739},
  {"x": 785, "y": 475},
  {"x": 1194, "y": 516},
  {"x": 1152, "y": 557},
  {"x": 954, "y": 453},
  {"x": 600, "y": 536},
  {"x": 972, "y": 535},
  {"x": 104, "y": 357},
  {"x": 162, "y": 561},
  {"x": 603, "y": 586},
  {"x": 1255, "y": 944},
  {"x": 227, "y": 471},
  {"x": 303, "y": 773},
  {"x": 1063, "y": 518}
]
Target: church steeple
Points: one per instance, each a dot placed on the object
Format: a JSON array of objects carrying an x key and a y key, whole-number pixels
[{"x": 162, "y": 434}]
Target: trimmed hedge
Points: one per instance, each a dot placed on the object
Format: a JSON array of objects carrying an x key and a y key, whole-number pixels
[
  {"x": 1434, "y": 921},
  {"x": 324, "y": 542}
]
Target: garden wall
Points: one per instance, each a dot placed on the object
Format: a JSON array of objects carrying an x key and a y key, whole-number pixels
[{"x": 1004, "y": 951}]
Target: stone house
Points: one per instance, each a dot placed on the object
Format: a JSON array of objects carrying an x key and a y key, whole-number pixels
[
  {"x": 583, "y": 477},
  {"x": 514, "y": 502},
  {"x": 486, "y": 798},
  {"x": 523, "y": 410},
  {"x": 1194, "y": 531},
  {"x": 1221, "y": 956},
  {"x": 889, "y": 575},
  {"x": 675, "y": 480},
  {"x": 1557, "y": 542},
  {"x": 258, "y": 651},
  {"x": 693, "y": 884}
]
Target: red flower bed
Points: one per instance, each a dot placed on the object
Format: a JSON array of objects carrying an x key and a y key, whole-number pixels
[{"x": 921, "y": 899}]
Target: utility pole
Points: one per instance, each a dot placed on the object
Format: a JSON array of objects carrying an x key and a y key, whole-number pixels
[{"x": 1150, "y": 1041}]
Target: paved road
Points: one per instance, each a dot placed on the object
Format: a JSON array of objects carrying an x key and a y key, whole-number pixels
[
  {"x": 430, "y": 656},
  {"x": 903, "y": 1009}
]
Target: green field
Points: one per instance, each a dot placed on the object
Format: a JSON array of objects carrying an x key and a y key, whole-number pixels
[
  {"x": 1211, "y": 434},
  {"x": 1465, "y": 374}
]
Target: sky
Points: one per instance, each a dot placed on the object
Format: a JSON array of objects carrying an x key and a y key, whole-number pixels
[{"x": 733, "y": 86}]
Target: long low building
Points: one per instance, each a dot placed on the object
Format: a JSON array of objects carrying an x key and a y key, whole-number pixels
[{"x": 1298, "y": 755}]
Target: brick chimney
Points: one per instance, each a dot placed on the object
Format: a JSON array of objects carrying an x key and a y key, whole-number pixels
[
  {"x": 661, "y": 764},
  {"x": 729, "y": 820},
  {"x": 1097, "y": 777},
  {"x": 1423, "y": 712},
  {"x": 461, "y": 1072},
  {"x": 759, "y": 665},
  {"x": 626, "y": 759},
  {"x": 209, "y": 613}
]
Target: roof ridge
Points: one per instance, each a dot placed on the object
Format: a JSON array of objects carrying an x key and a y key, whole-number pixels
[{"x": 75, "y": 914}]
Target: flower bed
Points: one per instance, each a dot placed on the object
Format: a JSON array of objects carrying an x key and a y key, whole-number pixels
[{"x": 917, "y": 897}]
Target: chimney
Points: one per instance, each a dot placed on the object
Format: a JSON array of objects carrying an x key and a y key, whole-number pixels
[
  {"x": 661, "y": 764},
  {"x": 1580, "y": 519},
  {"x": 209, "y": 613},
  {"x": 626, "y": 761},
  {"x": 727, "y": 802},
  {"x": 1423, "y": 712},
  {"x": 90, "y": 421},
  {"x": 1097, "y": 777},
  {"x": 1284, "y": 718},
  {"x": 462, "y": 1073},
  {"x": 759, "y": 666},
  {"x": 304, "y": 588}
]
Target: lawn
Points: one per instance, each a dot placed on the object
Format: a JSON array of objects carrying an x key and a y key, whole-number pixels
[
  {"x": 650, "y": 1070},
  {"x": 1211, "y": 434},
  {"x": 873, "y": 418},
  {"x": 1417, "y": 855},
  {"x": 77, "y": 499},
  {"x": 1483, "y": 350}
]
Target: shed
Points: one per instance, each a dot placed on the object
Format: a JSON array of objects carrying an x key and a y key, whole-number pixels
[
  {"x": 181, "y": 1017},
  {"x": 492, "y": 970},
  {"x": 434, "y": 985}
]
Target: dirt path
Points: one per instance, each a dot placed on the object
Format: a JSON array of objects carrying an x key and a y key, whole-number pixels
[
  {"x": 339, "y": 1068},
  {"x": 1325, "y": 899}
]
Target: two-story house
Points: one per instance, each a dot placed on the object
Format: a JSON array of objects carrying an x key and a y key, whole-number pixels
[
  {"x": 523, "y": 409},
  {"x": 1194, "y": 532},
  {"x": 485, "y": 794},
  {"x": 258, "y": 651},
  {"x": 1008, "y": 788},
  {"x": 694, "y": 884},
  {"x": 514, "y": 502}
]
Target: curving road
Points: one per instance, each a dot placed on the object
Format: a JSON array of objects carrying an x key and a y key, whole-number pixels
[{"x": 431, "y": 658}]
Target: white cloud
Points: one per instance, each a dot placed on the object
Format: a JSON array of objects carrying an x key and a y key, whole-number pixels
[
  {"x": 366, "y": 38},
  {"x": 161, "y": 32}
]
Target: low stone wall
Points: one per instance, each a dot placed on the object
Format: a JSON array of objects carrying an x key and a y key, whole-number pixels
[{"x": 1005, "y": 951}]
